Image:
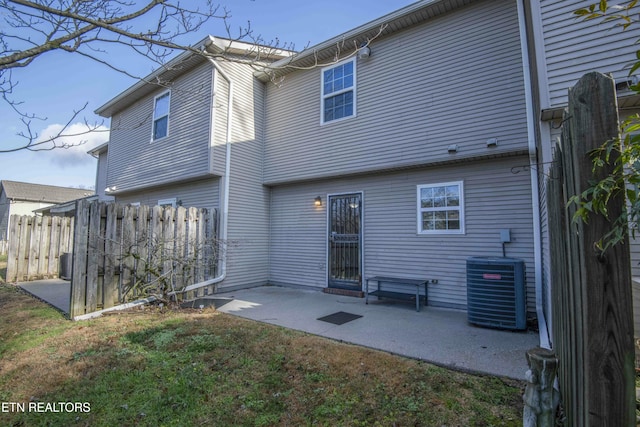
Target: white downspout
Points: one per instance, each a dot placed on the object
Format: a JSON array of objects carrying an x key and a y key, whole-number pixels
[
  {"x": 535, "y": 192},
  {"x": 224, "y": 205}
]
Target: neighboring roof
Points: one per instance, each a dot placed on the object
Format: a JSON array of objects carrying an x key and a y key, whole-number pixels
[
  {"x": 63, "y": 209},
  {"x": 186, "y": 61},
  {"x": 27, "y": 192}
]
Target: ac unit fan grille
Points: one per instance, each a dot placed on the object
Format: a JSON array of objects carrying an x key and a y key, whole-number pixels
[{"x": 496, "y": 293}]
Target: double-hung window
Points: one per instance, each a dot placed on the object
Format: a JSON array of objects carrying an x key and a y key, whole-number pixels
[
  {"x": 161, "y": 116},
  {"x": 441, "y": 208},
  {"x": 339, "y": 91}
]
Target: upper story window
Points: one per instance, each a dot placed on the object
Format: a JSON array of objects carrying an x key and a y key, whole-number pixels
[
  {"x": 161, "y": 116},
  {"x": 339, "y": 91},
  {"x": 441, "y": 208}
]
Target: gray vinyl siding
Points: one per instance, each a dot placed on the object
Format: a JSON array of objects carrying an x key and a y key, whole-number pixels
[
  {"x": 200, "y": 194},
  {"x": 573, "y": 47},
  {"x": 101, "y": 175},
  {"x": 454, "y": 80},
  {"x": 555, "y": 134},
  {"x": 137, "y": 162},
  {"x": 219, "y": 114},
  {"x": 495, "y": 198},
  {"x": 545, "y": 237},
  {"x": 635, "y": 256},
  {"x": 545, "y": 248},
  {"x": 5, "y": 209},
  {"x": 634, "y": 243},
  {"x": 248, "y": 232}
]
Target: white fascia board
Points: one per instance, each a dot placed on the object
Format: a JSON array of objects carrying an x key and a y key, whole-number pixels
[
  {"x": 95, "y": 152},
  {"x": 106, "y": 109},
  {"x": 215, "y": 45}
]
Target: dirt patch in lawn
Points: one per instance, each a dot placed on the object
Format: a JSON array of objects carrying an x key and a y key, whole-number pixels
[{"x": 200, "y": 367}]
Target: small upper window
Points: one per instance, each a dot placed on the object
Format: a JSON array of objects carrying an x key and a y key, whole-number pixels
[
  {"x": 441, "y": 208},
  {"x": 161, "y": 116},
  {"x": 338, "y": 91}
]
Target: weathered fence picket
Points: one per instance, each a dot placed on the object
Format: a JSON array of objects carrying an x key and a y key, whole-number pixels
[
  {"x": 110, "y": 288},
  {"x": 592, "y": 311},
  {"x": 128, "y": 252},
  {"x": 35, "y": 246}
]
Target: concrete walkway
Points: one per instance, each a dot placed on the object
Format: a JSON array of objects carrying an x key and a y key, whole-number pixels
[
  {"x": 440, "y": 336},
  {"x": 56, "y": 292}
]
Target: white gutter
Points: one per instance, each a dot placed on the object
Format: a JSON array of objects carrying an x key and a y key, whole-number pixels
[
  {"x": 224, "y": 199},
  {"x": 535, "y": 192}
]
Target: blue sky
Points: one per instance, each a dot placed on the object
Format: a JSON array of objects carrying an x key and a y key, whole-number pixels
[{"x": 58, "y": 83}]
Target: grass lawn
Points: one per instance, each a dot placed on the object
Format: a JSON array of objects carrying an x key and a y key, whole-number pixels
[{"x": 200, "y": 367}]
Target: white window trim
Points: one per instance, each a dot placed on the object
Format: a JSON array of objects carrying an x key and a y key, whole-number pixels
[
  {"x": 154, "y": 118},
  {"x": 172, "y": 201},
  {"x": 419, "y": 209},
  {"x": 353, "y": 88}
]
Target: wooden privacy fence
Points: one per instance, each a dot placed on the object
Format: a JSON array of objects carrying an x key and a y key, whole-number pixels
[
  {"x": 35, "y": 246},
  {"x": 128, "y": 252},
  {"x": 591, "y": 294},
  {"x": 4, "y": 247}
]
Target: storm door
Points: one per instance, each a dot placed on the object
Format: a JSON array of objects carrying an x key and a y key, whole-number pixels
[{"x": 345, "y": 241}]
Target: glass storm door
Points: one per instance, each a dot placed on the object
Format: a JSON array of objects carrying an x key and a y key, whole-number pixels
[{"x": 345, "y": 241}]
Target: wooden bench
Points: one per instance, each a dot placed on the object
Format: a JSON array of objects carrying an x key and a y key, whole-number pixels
[{"x": 411, "y": 283}]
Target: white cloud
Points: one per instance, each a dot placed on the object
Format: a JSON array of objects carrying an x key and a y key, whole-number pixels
[{"x": 79, "y": 138}]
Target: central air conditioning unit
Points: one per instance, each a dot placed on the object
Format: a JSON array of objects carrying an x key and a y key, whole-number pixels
[{"x": 496, "y": 293}]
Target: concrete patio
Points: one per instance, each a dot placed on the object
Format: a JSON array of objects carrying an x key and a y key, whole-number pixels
[
  {"x": 440, "y": 336},
  {"x": 55, "y": 292},
  {"x": 436, "y": 335}
]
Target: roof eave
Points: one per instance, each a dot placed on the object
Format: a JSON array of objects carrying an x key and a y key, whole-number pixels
[
  {"x": 212, "y": 44},
  {"x": 95, "y": 152},
  {"x": 110, "y": 106}
]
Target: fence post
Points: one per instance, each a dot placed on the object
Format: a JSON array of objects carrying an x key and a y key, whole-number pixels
[
  {"x": 168, "y": 246},
  {"x": 33, "y": 245},
  {"x": 44, "y": 243},
  {"x": 22, "y": 246},
  {"x": 95, "y": 248},
  {"x": 144, "y": 243},
  {"x": 14, "y": 249},
  {"x": 80, "y": 255},
  {"x": 598, "y": 358},
  {"x": 110, "y": 290},
  {"x": 53, "y": 251},
  {"x": 540, "y": 398},
  {"x": 129, "y": 249}
]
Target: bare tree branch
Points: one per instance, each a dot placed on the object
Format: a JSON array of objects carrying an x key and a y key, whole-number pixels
[{"x": 29, "y": 29}]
